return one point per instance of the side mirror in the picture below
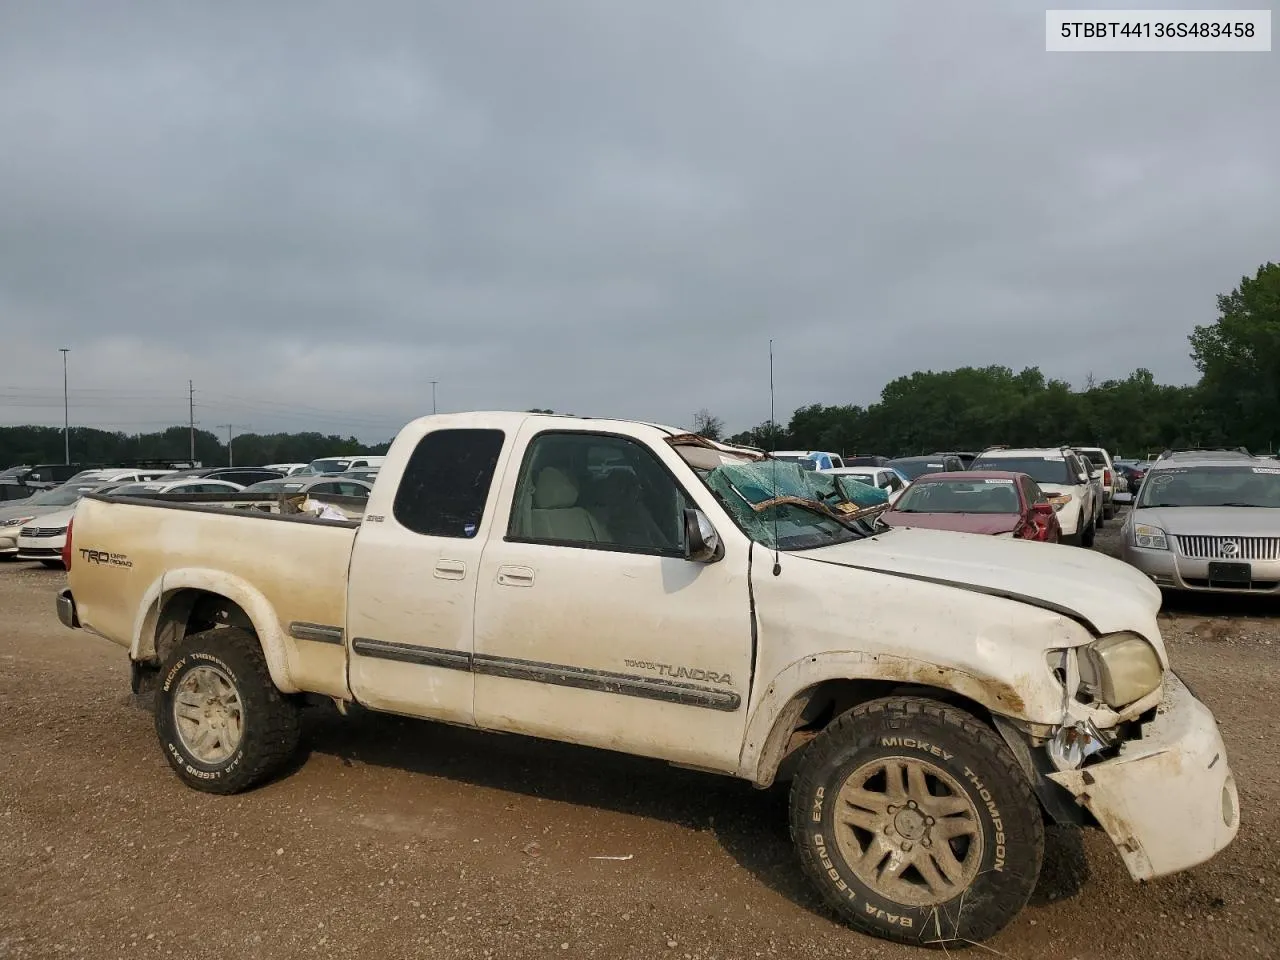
(701, 542)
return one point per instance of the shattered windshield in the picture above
(784, 506)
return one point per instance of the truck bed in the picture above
(286, 571)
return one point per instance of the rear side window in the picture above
(446, 482)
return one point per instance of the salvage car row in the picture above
(34, 528)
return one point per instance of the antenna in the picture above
(773, 424)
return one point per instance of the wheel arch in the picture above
(797, 706)
(186, 601)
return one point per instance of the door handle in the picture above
(515, 576)
(450, 570)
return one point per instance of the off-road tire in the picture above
(270, 720)
(1087, 536)
(1008, 817)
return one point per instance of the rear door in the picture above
(414, 570)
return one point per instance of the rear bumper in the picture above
(1168, 800)
(67, 612)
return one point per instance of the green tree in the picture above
(1238, 356)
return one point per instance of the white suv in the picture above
(1062, 476)
(1101, 459)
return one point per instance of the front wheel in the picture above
(1087, 536)
(916, 824)
(222, 723)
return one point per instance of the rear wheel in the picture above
(222, 723)
(916, 824)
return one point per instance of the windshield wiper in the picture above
(1261, 506)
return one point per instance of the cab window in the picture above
(600, 492)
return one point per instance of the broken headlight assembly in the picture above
(1117, 670)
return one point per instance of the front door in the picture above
(414, 570)
(592, 627)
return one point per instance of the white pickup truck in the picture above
(934, 698)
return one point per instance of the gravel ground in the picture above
(394, 838)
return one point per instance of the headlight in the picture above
(1152, 538)
(1120, 669)
(17, 522)
(1060, 501)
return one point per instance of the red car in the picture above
(993, 502)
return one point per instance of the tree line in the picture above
(32, 445)
(1236, 402)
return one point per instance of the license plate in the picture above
(1230, 574)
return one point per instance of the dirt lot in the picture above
(394, 838)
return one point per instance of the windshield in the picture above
(916, 468)
(1050, 468)
(819, 508)
(1212, 487)
(329, 466)
(960, 496)
(273, 486)
(135, 489)
(59, 496)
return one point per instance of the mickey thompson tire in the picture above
(916, 824)
(222, 724)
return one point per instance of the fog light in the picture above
(1229, 810)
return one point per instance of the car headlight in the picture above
(1120, 668)
(1059, 501)
(1152, 538)
(16, 522)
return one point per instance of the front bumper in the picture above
(67, 612)
(1171, 570)
(1168, 800)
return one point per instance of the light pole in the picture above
(433, 395)
(66, 407)
(230, 427)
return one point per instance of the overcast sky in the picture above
(314, 209)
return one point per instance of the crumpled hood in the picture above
(1106, 594)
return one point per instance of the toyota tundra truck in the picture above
(933, 698)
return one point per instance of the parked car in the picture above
(966, 457)
(1094, 473)
(912, 467)
(338, 485)
(903, 717)
(866, 461)
(327, 465)
(1063, 478)
(1101, 459)
(1207, 524)
(885, 478)
(286, 469)
(991, 502)
(14, 516)
(43, 540)
(244, 476)
(1132, 475)
(810, 459)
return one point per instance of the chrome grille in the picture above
(42, 531)
(1230, 548)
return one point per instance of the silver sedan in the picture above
(1208, 524)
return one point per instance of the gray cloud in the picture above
(314, 209)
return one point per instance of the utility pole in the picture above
(433, 395)
(191, 409)
(229, 427)
(66, 407)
